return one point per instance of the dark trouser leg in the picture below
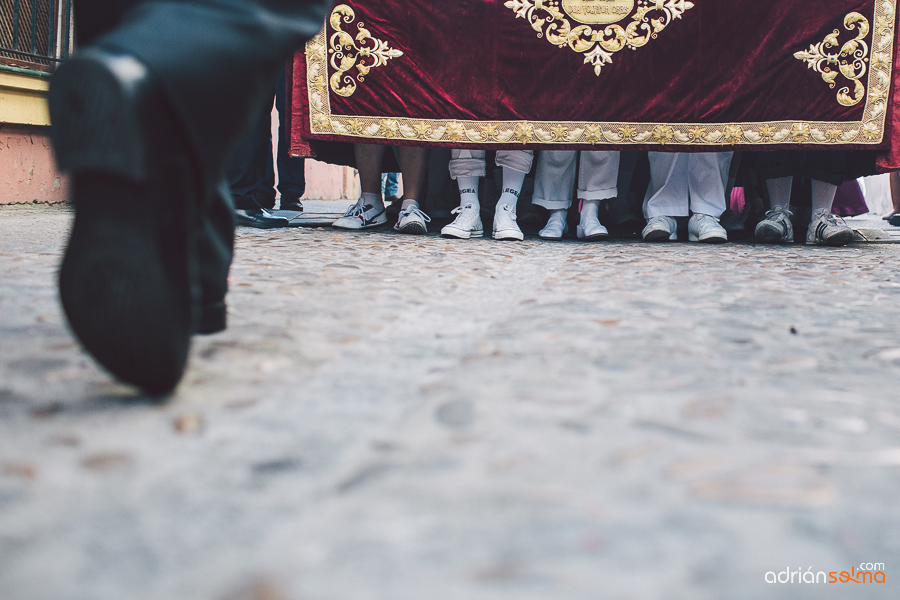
(218, 61)
(247, 171)
(291, 169)
(144, 119)
(215, 250)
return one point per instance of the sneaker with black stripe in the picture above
(776, 228)
(361, 216)
(826, 229)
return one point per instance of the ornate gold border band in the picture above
(868, 131)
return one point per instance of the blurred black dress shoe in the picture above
(213, 318)
(259, 218)
(128, 276)
(291, 204)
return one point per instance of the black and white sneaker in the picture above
(413, 221)
(361, 216)
(776, 228)
(826, 229)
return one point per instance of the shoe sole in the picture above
(550, 238)
(126, 303)
(769, 234)
(461, 235)
(414, 228)
(257, 225)
(367, 226)
(710, 239)
(658, 236)
(595, 237)
(508, 237)
(839, 239)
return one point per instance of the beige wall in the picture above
(330, 182)
(27, 169)
(28, 172)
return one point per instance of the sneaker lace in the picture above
(415, 211)
(464, 214)
(460, 209)
(780, 210)
(507, 210)
(355, 210)
(833, 220)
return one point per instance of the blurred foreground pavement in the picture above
(413, 418)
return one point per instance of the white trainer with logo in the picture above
(412, 220)
(660, 229)
(706, 229)
(467, 223)
(505, 227)
(361, 216)
(826, 229)
(776, 228)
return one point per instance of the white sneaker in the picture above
(361, 216)
(826, 229)
(776, 228)
(706, 229)
(505, 227)
(555, 228)
(467, 224)
(412, 220)
(660, 229)
(591, 230)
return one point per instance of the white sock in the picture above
(822, 195)
(409, 203)
(373, 200)
(468, 191)
(512, 186)
(780, 191)
(589, 208)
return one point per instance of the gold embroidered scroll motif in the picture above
(599, 45)
(363, 52)
(324, 74)
(831, 59)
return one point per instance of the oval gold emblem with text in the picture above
(594, 12)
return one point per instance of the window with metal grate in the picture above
(34, 34)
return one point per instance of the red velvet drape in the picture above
(720, 62)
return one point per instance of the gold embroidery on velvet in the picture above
(830, 59)
(598, 45)
(365, 52)
(868, 130)
(595, 12)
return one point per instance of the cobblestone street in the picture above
(394, 417)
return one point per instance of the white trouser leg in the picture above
(707, 176)
(517, 160)
(555, 179)
(599, 175)
(668, 194)
(467, 163)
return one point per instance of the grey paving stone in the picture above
(394, 417)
